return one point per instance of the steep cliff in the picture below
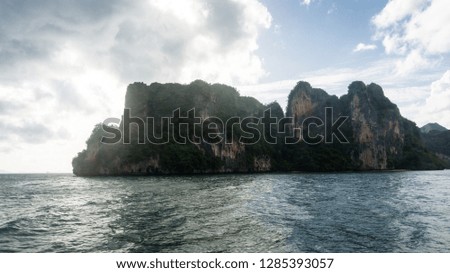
(179, 121)
(377, 137)
(203, 128)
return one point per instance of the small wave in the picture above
(13, 225)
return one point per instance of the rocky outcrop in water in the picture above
(193, 103)
(203, 128)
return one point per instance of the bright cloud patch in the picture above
(306, 2)
(438, 103)
(416, 29)
(364, 47)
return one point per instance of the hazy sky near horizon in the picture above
(65, 65)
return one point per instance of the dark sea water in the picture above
(345, 212)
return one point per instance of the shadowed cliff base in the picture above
(209, 128)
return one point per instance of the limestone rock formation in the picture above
(204, 128)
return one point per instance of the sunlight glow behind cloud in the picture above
(65, 65)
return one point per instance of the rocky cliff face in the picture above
(379, 138)
(361, 130)
(372, 125)
(195, 103)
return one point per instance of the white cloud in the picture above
(412, 62)
(364, 47)
(437, 105)
(428, 103)
(429, 28)
(64, 66)
(397, 10)
(214, 41)
(306, 2)
(414, 29)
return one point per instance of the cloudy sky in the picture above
(65, 65)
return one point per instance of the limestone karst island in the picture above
(210, 128)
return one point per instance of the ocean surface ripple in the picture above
(301, 212)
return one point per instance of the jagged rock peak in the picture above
(276, 109)
(305, 87)
(302, 85)
(357, 87)
(303, 98)
(375, 88)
